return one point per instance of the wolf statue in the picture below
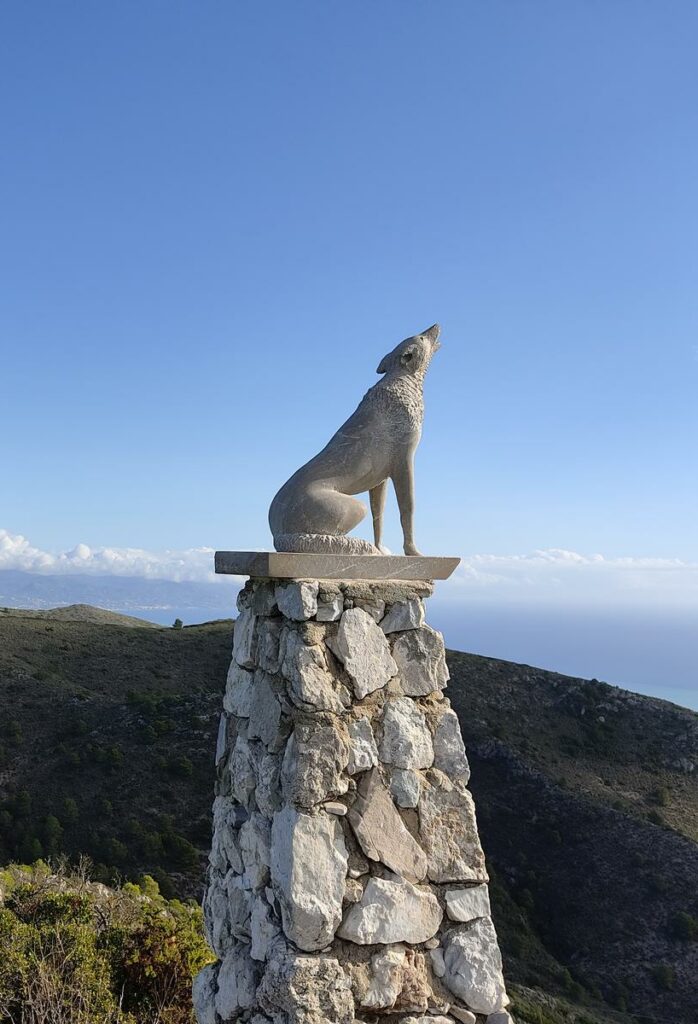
(315, 509)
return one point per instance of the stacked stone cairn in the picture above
(347, 882)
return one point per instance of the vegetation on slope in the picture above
(587, 799)
(75, 952)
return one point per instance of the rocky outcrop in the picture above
(346, 877)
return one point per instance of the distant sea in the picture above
(653, 652)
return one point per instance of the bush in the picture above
(181, 766)
(664, 976)
(70, 811)
(13, 731)
(684, 926)
(71, 951)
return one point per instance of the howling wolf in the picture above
(315, 509)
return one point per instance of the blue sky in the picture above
(217, 217)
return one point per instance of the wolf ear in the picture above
(383, 365)
(407, 357)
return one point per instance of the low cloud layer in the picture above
(192, 564)
(558, 576)
(553, 576)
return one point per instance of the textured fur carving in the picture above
(315, 509)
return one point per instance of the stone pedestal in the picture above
(347, 881)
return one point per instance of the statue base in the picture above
(303, 566)
(346, 878)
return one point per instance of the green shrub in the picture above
(30, 850)
(70, 811)
(664, 976)
(181, 766)
(13, 731)
(181, 852)
(684, 926)
(53, 834)
(69, 951)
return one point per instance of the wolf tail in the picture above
(324, 543)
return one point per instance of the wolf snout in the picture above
(433, 335)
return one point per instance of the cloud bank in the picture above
(553, 576)
(190, 565)
(557, 576)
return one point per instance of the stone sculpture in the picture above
(316, 508)
(346, 883)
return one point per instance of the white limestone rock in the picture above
(330, 608)
(267, 770)
(335, 807)
(396, 980)
(404, 615)
(255, 849)
(263, 929)
(363, 752)
(449, 750)
(313, 767)
(421, 660)
(382, 833)
(225, 853)
(428, 1019)
(308, 871)
(392, 910)
(265, 714)
(437, 961)
(376, 608)
(500, 1017)
(474, 966)
(203, 993)
(363, 650)
(297, 600)
(312, 687)
(259, 596)
(238, 690)
(406, 741)
(217, 920)
(386, 979)
(242, 772)
(244, 638)
(448, 832)
(237, 983)
(468, 904)
(461, 1014)
(268, 645)
(306, 990)
(221, 739)
(240, 902)
(405, 786)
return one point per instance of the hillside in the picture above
(77, 613)
(587, 798)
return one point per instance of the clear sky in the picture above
(217, 217)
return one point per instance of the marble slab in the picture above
(302, 566)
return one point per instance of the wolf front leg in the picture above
(403, 482)
(377, 499)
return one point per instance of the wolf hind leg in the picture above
(319, 522)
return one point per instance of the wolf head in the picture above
(413, 355)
